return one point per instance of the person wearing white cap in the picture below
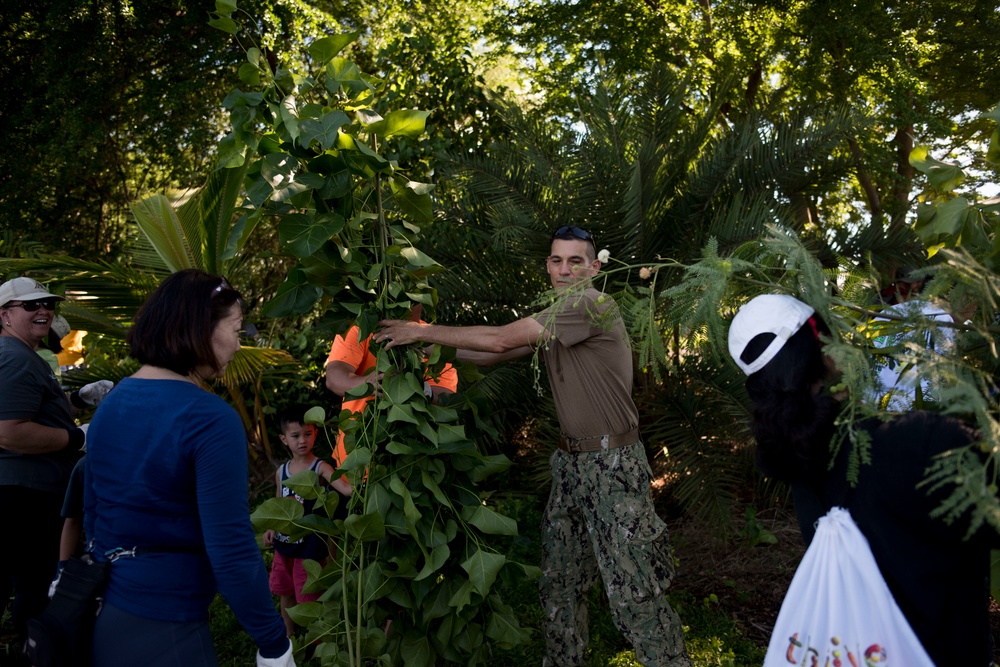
(39, 444)
(936, 572)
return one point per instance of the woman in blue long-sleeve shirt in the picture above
(166, 490)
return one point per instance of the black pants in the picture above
(122, 639)
(30, 554)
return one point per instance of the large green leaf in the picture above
(410, 510)
(402, 413)
(304, 484)
(277, 514)
(303, 235)
(435, 561)
(504, 629)
(417, 651)
(325, 48)
(942, 176)
(489, 465)
(417, 259)
(357, 459)
(951, 221)
(400, 387)
(325, 130)
(305, 613)
(365, 527)
(404, 122)
(483, 567)
(413, 199)
(489, 521)
(295, 296)
(431, 485)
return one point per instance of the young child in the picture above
(288, 576)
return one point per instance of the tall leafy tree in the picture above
(313, 135)
(106, 104)
(112, 101)
(908, 72)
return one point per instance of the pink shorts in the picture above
(288, 577)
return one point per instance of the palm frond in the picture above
(250, 362)
(159, 221)
(208, 216)
(699, 426)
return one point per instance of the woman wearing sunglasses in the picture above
(39, 444)
(166, 490)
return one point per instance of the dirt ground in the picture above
(749, 581)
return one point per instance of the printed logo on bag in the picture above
(800, 654)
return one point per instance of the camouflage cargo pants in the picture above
(600, 520)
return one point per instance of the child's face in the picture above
(299, 438)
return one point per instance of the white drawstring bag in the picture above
(838, 611)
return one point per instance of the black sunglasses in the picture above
(34, 304)
(570, 230)
(223, 286)
(567, 231)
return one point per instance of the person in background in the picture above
(599, 519)
(937, 573)
(166, 490)
(899, 385)
(351, 363)
(39, 444)
(51, 346)
(71, 542)
(288, 575)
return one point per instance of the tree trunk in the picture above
(901, 188)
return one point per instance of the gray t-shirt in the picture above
(589, 363)
(29, 390)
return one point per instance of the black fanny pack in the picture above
(61, 636)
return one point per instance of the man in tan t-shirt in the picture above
(599, 518)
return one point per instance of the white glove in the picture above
(284, 661)
(94, 393)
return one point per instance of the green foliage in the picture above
(713, 637)
(965, 382)
(415, 545)
(946, 219)
(654, 177)
(754, 532)
(111, 102)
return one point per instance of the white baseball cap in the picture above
(24, 289)
(777, 314)
(60, 326)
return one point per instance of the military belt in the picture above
(597, 443)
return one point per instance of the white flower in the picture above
(604, 256)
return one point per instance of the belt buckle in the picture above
(572, 444)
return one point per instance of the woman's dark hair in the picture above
(792, 423)
(173, 328)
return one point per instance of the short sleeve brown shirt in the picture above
(589, 364)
